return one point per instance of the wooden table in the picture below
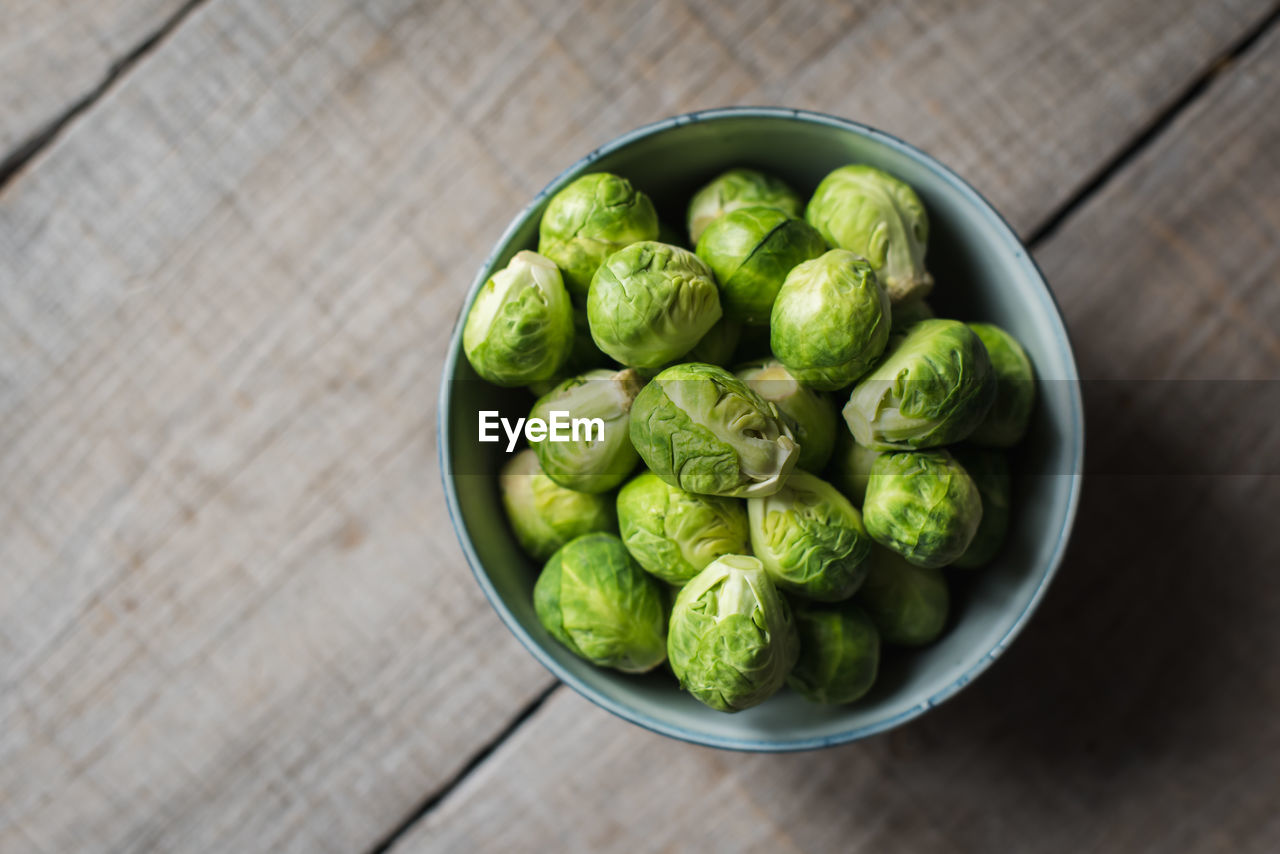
(234, 236)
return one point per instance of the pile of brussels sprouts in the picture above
(738, 552)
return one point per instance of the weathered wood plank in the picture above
(232, 614)
(1137, 713)
(55, 52)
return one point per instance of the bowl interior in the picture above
(982, 273)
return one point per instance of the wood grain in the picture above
(1137, 712)
(55, 52)
(233, 614)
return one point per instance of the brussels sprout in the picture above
(650, 303)
(830, 320)
(594, 599)
(674, 534)
(851, 467)
(589, 220)
(810, 538)
(700, 428)
(839, 653)
(751, 250)
(520, 327)
(1007, 419)
(738, 188)
(718, 345)
(909, 313)
(907, 603)
(932, 387)
(545, 515)
(811, 414)
(732, 641)
(923, 505)
(990, 472)
(872, 213)
(599, 455)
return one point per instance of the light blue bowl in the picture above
(983, 272)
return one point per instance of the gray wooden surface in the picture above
(233, 615)
(54, 53)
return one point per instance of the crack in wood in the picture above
(476, 760)
(27, 150)
(1213, 70)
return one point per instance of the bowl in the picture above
(983, 272)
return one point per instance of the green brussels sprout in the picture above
(990, 472)
(908, 314)
(732, 641)
(811, 414)
(589, 220)
(598, 455)
(543, 514)
(520, 327)
(751, 250)
(650, 303)
(830, 320)
(870, 212)
(932, 387)
(700, 428)
(674, 534)
(593, 598)
(1010, 412)
(810, 538)
(718, 345)
(839, 653)
(923, 505)
(851, 467)
(907, 603)
(738, 188)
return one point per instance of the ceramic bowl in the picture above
(983, 272)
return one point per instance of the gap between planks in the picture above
(1216, 67)
(28, 149)
(475, 761)
(1110, 168)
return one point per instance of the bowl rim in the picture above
(764, 745)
